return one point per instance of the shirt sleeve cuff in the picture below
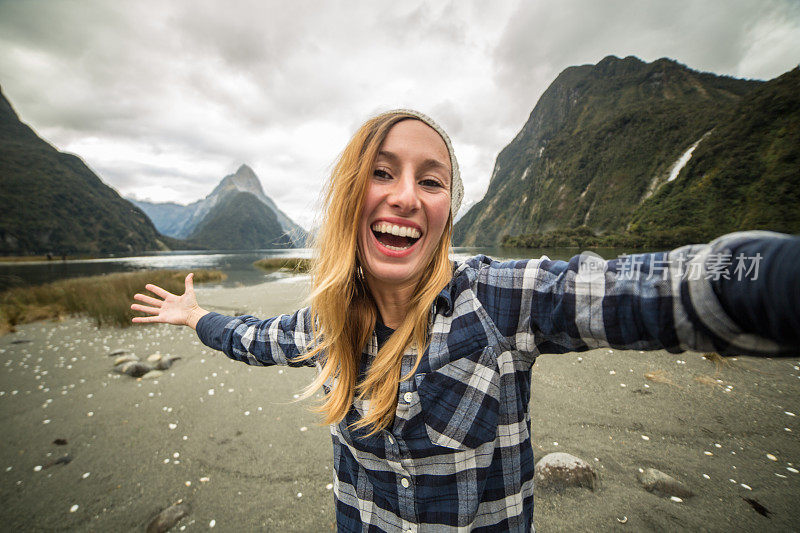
(701, 300)
(211, 328)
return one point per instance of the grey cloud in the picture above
(282, 85)
(540, 41)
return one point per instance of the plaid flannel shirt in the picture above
(458, 456)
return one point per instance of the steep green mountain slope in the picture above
(598, 142)
(241, 221)
(52, 202)
(744, 175)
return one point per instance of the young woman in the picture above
(425, 363)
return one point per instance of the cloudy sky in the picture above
(163, 99)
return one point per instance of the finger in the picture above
(190, 282)
(139, 319)
(158, 290)
(146, 309)
(148, 300)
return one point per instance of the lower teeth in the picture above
(396, 248)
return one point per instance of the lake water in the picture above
(238, 265)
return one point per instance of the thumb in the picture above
(190, 282)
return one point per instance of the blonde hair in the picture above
(343, 310)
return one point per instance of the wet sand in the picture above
(248, 457)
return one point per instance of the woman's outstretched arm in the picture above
(274, 341)
(735, 295)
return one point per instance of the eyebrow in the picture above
(426, 164)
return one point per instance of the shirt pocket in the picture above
(460, 401)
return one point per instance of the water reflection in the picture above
(238, 265)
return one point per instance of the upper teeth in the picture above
(394, 229)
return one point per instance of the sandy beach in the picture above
(231, 441)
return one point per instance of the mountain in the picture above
(183, 221)
(744, 175)
(51, 201)
(240, 220)
(600, 141)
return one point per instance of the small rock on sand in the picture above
(662, 484)
(168, 517)
(153, 374)
(161, 362)
(166, 362)
(125, 359)
(133, 368)
(559, 470)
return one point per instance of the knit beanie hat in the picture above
(456, 185)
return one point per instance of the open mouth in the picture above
(394, 237)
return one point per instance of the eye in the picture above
(381, 173)
(431, 182)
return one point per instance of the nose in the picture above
(404, 194)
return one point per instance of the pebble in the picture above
(792, 470)
(329, 486)
(212, 523)
(167, 518)
(662, 484)
(771, 457)
(172, 426)
(645, 437)
(85, 475)
(73, 508)
(299, 494)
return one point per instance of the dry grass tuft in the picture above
(284, 263)
(719, 361)
(660, 376)
(105, 298)
(708, 380)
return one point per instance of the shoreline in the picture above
(254, 458)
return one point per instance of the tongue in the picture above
(394, 240)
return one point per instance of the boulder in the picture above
(556, 471)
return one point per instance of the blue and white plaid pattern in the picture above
(458, 456)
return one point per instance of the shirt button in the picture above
(408, 397)
(405, 482)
